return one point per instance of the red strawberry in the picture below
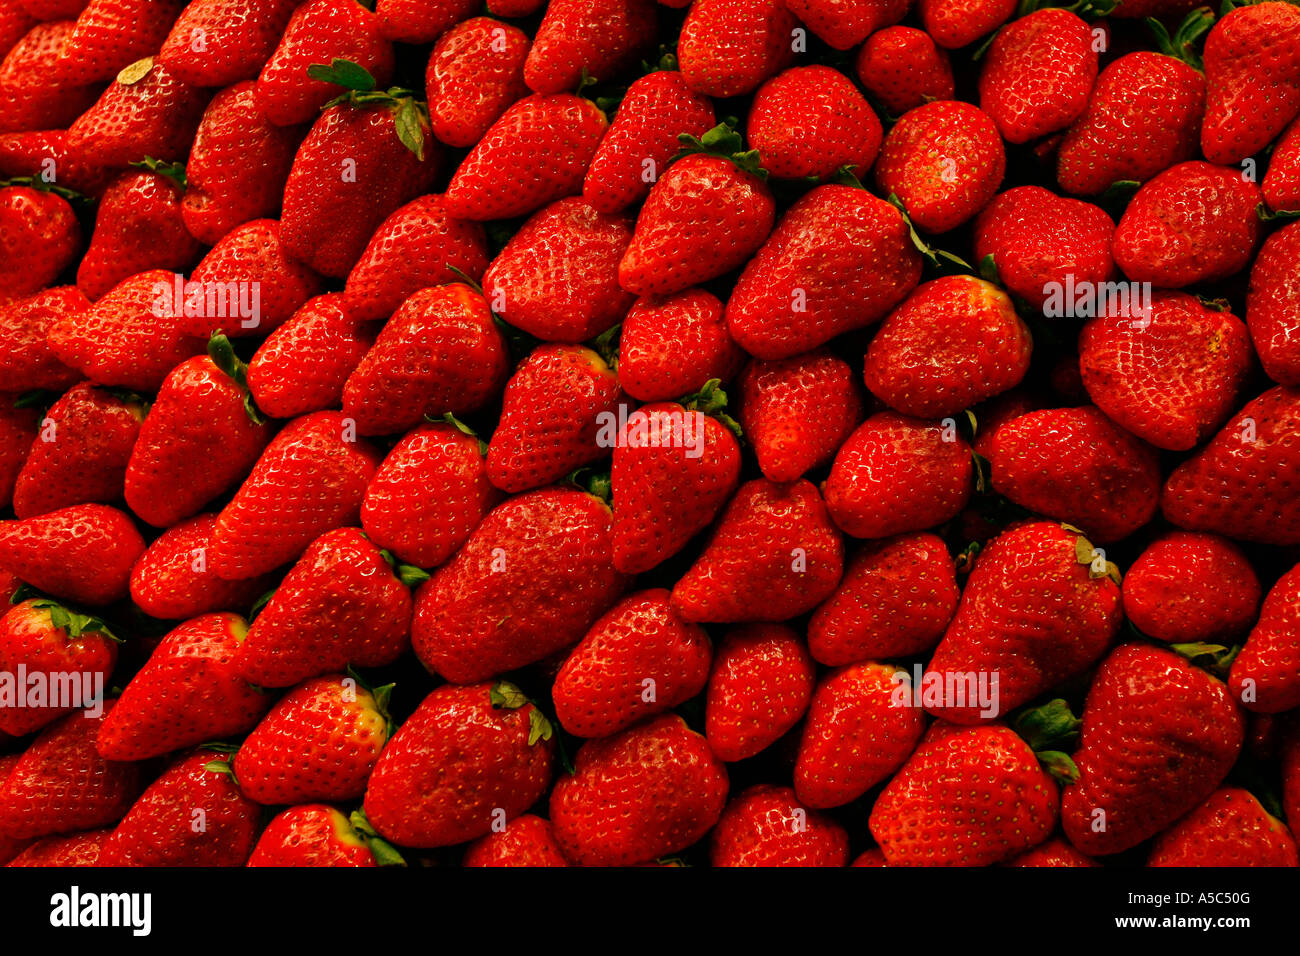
(172, 579)
(1273, 303)
(958, 24)
(1229, 829)
(902, 68)
(580, 38)
(729, 47)
(109, 35)
(221, 42)
(772, 556)
(1193, 223)
(320, 742)
(320, 32)
(767, 826)
(192, 815)
(310, 479)
(304, 364)
(1055, 852)
(26, 360)
(81, 453)
(238, 165)
(646, 792)
(551, 414)
(476, 70)
(32, 95)
(341, 605)
(1264, 675)
(760, 686)
(18, 429)
(464, 763)
(429, 495)
(968, 796)
(638, 660)
(809, 122)
(74, 849)
(896, 474)
(420, 21)
(14, 22)
(1228, 487)
(530, 581)
(1075, 465)
(39, 237)
(558, 276)
(895, 601)
(1188, 587)
(1281, 184)
(319, 835)
(188, 691)
(527, 840)
(846, 23)
(642, 140)
(82, 554)
(1000, 633)
(671, 347)
(1159, 735)
(536, 152)
(524, 8)
(706, 215)
(441, 352)
(1170, 376)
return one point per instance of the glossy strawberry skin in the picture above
(902, 68)
(75, 849)
(955, 25)
(1056, 852)
(27, 362)
(476, 70)
(172, 579)
(223, 42)
(767, 826)
(32, 97)
(311, 835)
(527, 840)
(18, 429)
(111, 34)
(671, 347)
(1229, 829)
(729, 47)
(1281, 184)
(1188, 587)
(1264, 673)
(597, 38)
(416, 21)
(759, 688)
(1272, 304)
(83, 553)
(39, 236)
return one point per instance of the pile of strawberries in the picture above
(620, 432)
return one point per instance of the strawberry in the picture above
(968, 796)
(642, 140)
(901, 68)
(944, 161)
(18, 429)
(61, 784)
(551, 415)
(14, 22)
(531, 580)
(1055, 852)
(162, 827)
(810, 121)
(309, 480)
(49, 642)
(649, 791)
(772, 556)
(895, 601)
(1038, 74)
(525, 8)
(304, 364)
(476, 70)
(223, 42)
(1000, 634)
(896, 474)
(527, 840)
(238, 165)
(201, 437)
(797, 411)
(771, 659)
(31, 96)
(420, 21)
(1281, 184)
(1227, 487)
(672, 346)
(1290, 759)
(536, 152)
(82, 451)
(729, 47)
(1188, 587)
(320, 32)
(1273, 303)
(341, 605)
(319, 835)
(188, 691)
(953, 342)
(1075, 465)
(464, 763)
(320, 742)
(1159, 735)
(45, 155)
(110, 35)
(1170, 376)
(429, 495)
(82, 554)
(558, 276)
(1264, 675)
(600, 39)
(441, 352)
(39, 237)
(846, 23)
(1252, 79)
(674, 469)
(838, 260)
(871, 857)
(856, 734)
(1229, 829)
(767, 826)
(145, 112)
(74, 849)
(638, 659)
(172, 579)
(956, 25)
(1192, 223)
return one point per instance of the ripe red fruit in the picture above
(1229, 829)
(958, 24)
(1281, 184)
(1188, 587)
(74, 849)
(846, 23)
(1273, 303)
(527, 840)
(111, 34)
(760, 686)
(476, 70)
(580, 38)
(27, 361)
(420, 21)
(172, 579)
(671, 347)
(1055, 852)
(902, 68)
(767, 826)
(809, 122)
(1264, 675)
(318, 835)
(83, 553)
(39, 237)
(221, 42)
(729, 47)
